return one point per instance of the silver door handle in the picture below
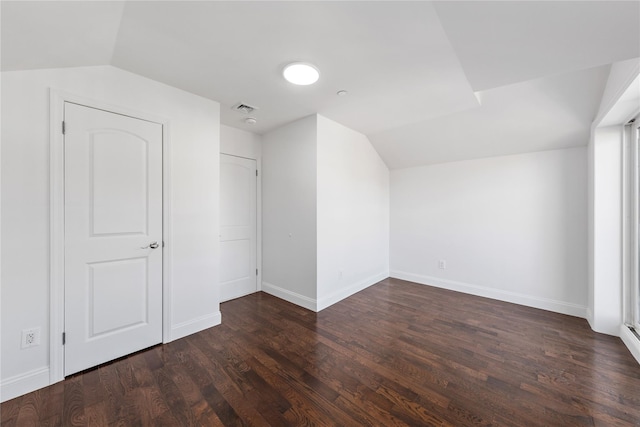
(152, 245)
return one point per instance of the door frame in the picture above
(57, 99)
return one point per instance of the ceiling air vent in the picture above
(244, 108)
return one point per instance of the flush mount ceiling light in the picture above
(301, 73)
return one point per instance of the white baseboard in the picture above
(38, 378)
(631, 341)
(498, 294)
(292, 297)
(24, 383)
(350, 290)
(198, 324)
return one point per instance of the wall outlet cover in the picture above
(30, 337)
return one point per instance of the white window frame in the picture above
(631, 224)
(635, 265)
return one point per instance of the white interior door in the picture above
(238, 275)
(113, 216)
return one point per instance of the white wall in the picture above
(240, 143)
(353, 213)
(512, 228)
(325, 213)
(605, 299)
(193, 247)
(289, 212)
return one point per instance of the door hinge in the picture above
(256, 172)
(64, 338)
(256, 271)
(64, 128)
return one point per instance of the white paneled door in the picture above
(238, 274)
(113, 236)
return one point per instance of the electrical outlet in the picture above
(30, 337)
(442, 264)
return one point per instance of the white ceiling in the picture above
(499, 43)
(52, 34)
(411, 68)
(536, 115)
(232, 52)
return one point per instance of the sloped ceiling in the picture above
(428, 82)
(500, 43)
(541, 114)
(58, 34)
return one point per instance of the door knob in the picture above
(152, 245)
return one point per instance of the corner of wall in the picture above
(349, 290)
(289, 200)
(589, 316)
(609, 326)
(198, 324)
(290, 296)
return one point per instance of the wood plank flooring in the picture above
(395, 354)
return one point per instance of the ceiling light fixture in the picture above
(301, 73)
(342, 93)
(250, 121)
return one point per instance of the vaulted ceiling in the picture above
(428, 82)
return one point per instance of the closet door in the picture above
(238, 249)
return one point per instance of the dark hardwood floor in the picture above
(396, 353)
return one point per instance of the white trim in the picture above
(631, 341)
(21, 384)
(626, 222)
(498, 294)
(635, 240)
(346, 292)
(630, 221)
(57, 98)
(259, 224)
(629, 224)
(56, 237)
(167, 232)
(292, 297)
(192, 326)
